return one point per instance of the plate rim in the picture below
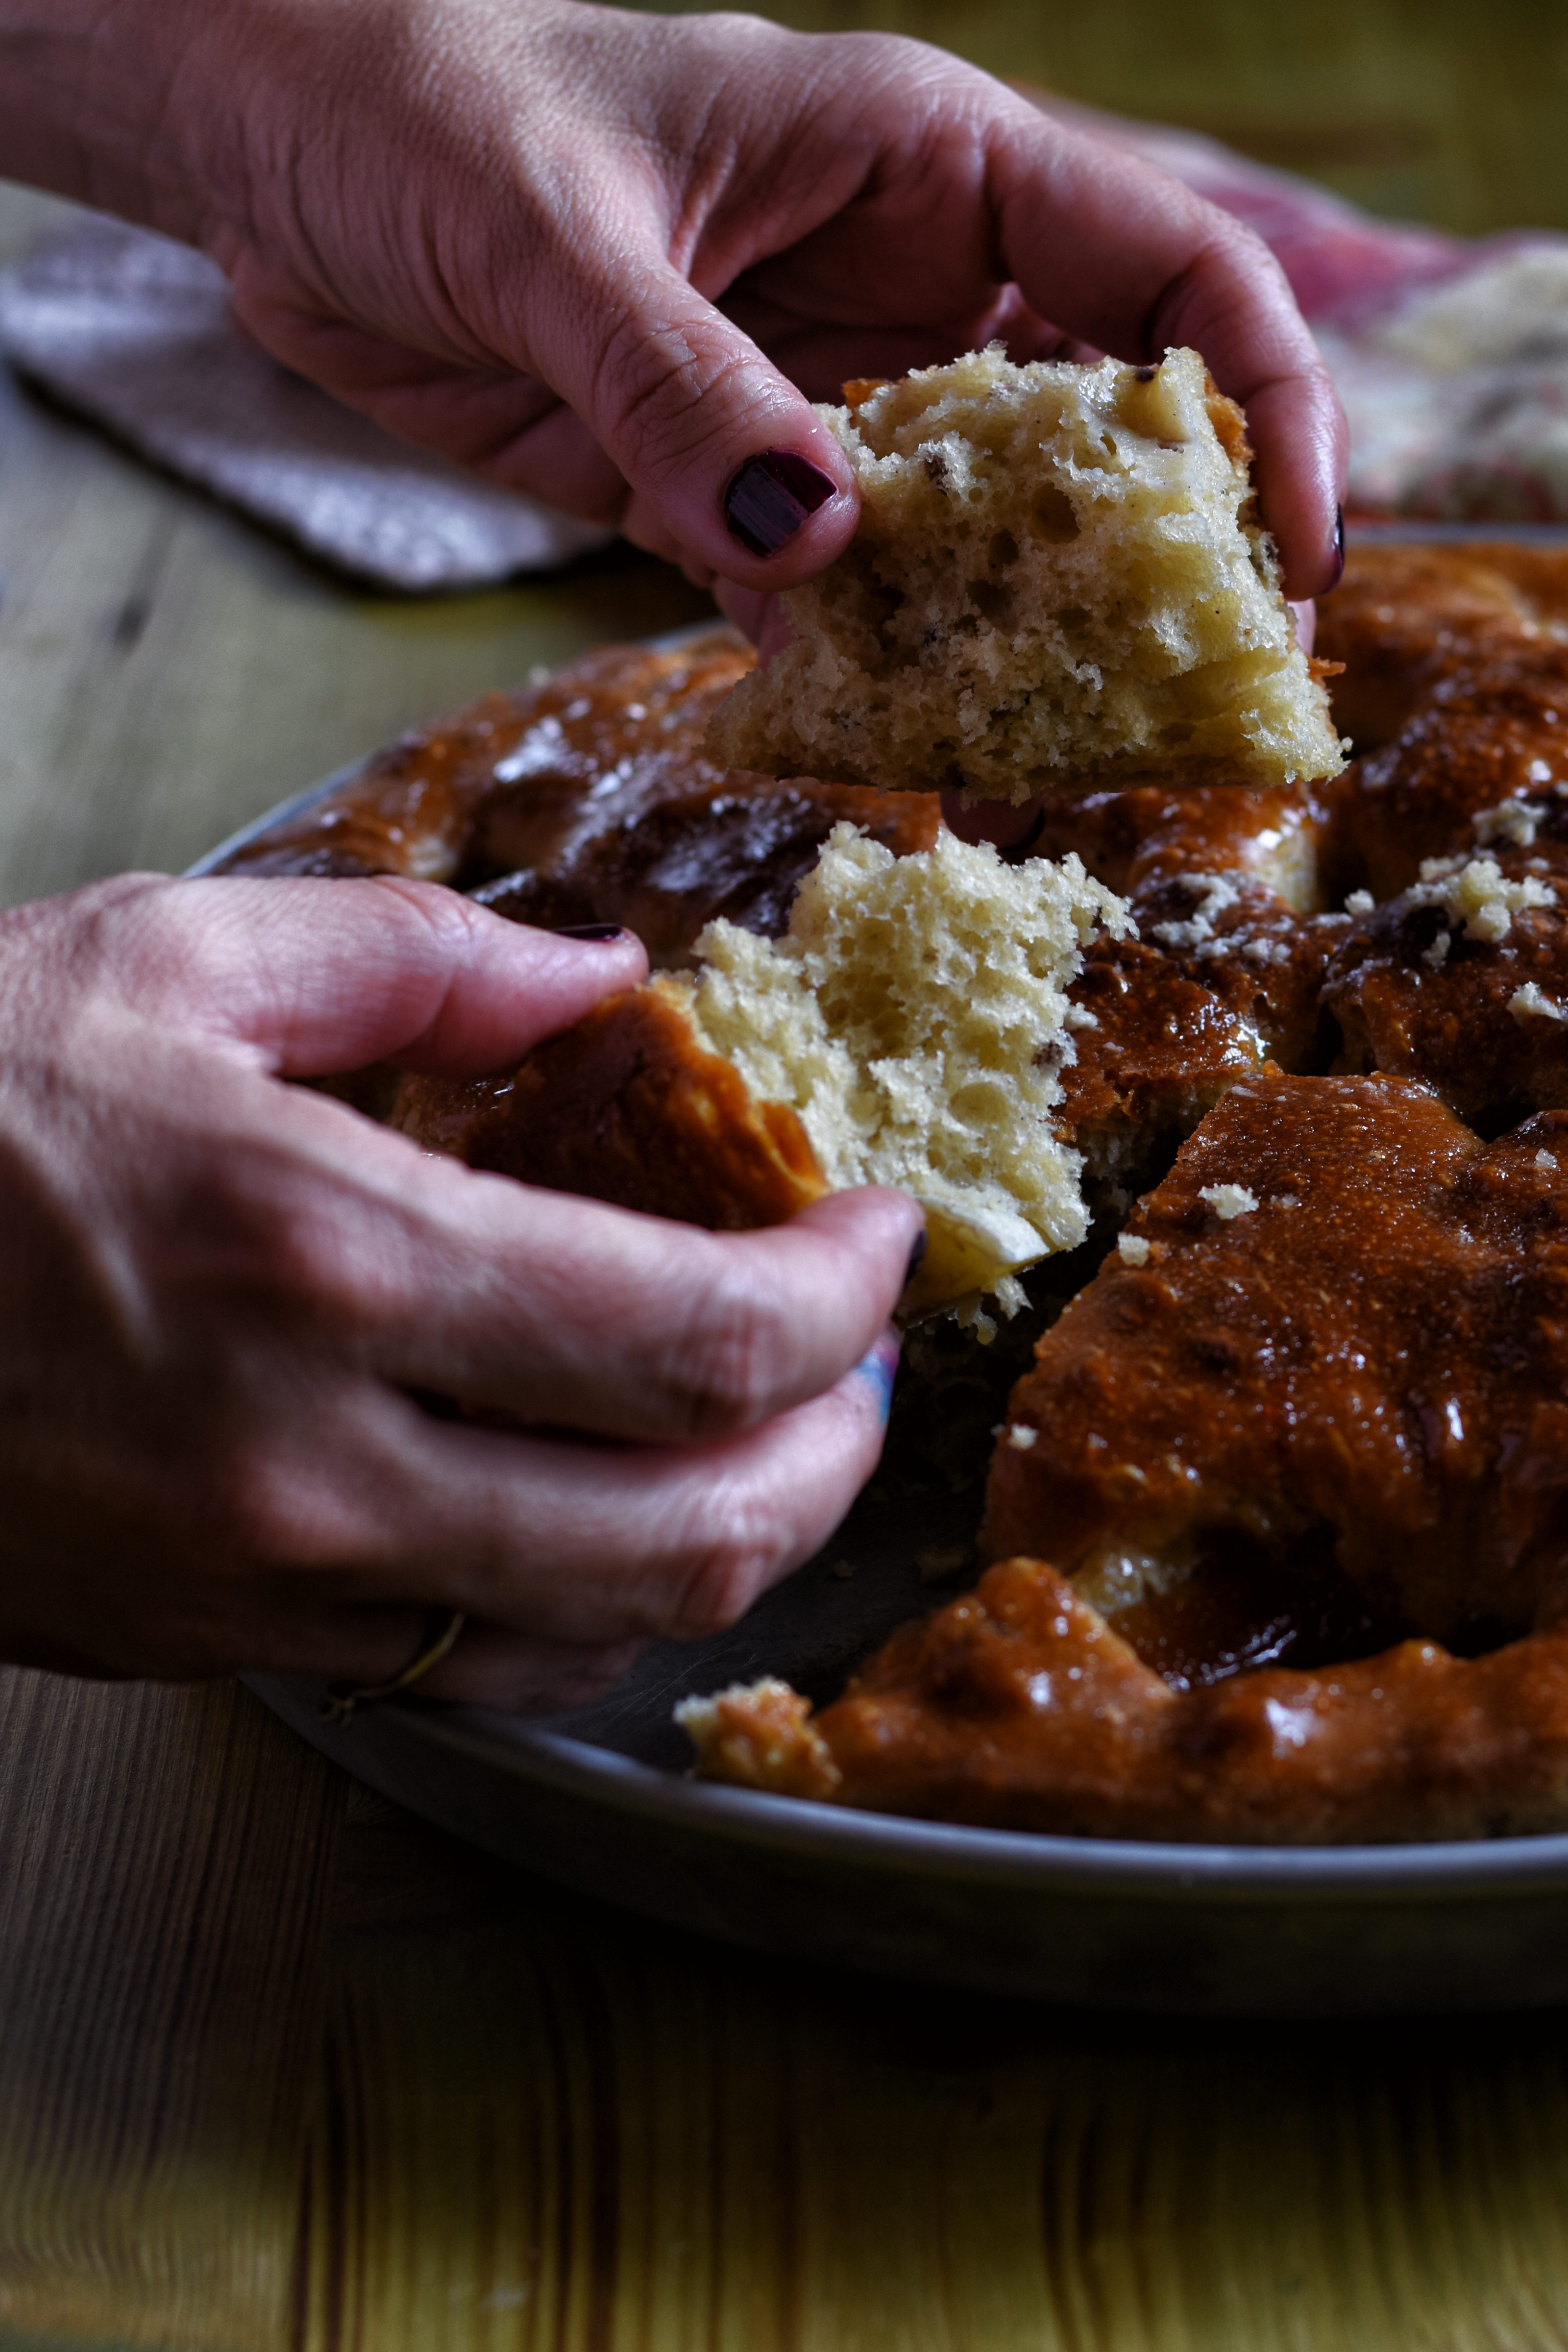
(1351, 1874)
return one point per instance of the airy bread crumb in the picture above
(915, 1016)
(1477, 896)
(759, 1735)
(1057, 574)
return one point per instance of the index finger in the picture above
(572, 1315)
(562, 1310)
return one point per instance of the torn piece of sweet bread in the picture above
(1057, 574)
(908, 1029)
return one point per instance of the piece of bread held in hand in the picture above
(1058, 575)
(908, 1029)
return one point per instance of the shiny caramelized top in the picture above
(1413, 988)
(1333, 1346)
(587, 799)
(1482, 762)
(518, 779)
(1403, 617)
(1018, 1707)
(1225, 972)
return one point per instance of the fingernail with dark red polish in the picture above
(771, 497)
(600, 932)
(1338, 545)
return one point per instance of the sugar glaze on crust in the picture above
(1314, 1590)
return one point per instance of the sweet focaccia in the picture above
(1276, 1515)
(1279, 1513)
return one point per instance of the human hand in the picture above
(222, 1297)
(610, 258)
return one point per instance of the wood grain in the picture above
(563, 2130)
(165, 1871)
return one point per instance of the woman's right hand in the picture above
(223, 1296)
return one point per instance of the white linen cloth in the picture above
(134, 330)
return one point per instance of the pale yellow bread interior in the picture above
(1057, 574)
(915, 1016)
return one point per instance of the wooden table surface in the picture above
(280, 2069)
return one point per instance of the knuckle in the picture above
(658, 385)
(273, 1230)
(159, 939)
(292, 1499)
(268, 1513)
(725, 1373)
(720, 1578)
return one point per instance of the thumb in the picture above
(727, 461)
(314, 977)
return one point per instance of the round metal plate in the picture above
(599, 1800)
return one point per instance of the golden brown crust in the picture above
(1351, 1382)
(408, 812)
(1403, 617)
(627, 1106)
(511, 783)
(1487, 734)
(1224, 975)
(1363, 1361)
(1483, 1023)
(738, 849)
(1017, 1708)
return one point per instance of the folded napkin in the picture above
(134, 330)
(1450, 355)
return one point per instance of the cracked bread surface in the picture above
(915, 1016)
(1057, 574)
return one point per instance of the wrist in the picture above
(144, 107)
(91, 106)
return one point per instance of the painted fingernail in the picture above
(771, 495)
(1338, 545)
(916, 1254)
(601, 932)
(878, 1367)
